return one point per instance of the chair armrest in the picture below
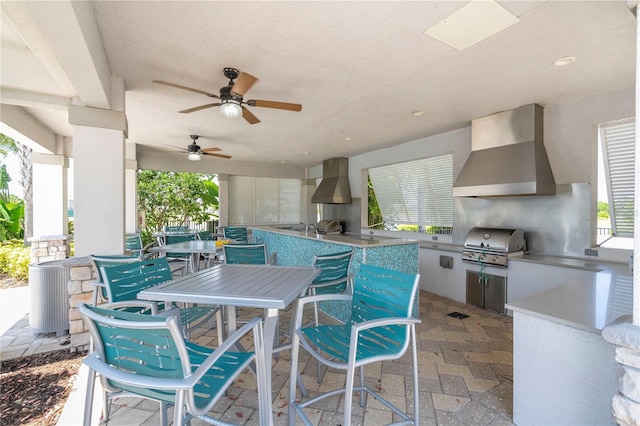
(144, 304)
(379, 322)
(301, 301)
(94, 362)
(333, 282)
(230, 343)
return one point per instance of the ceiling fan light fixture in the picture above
(231, 109)
(194, 156)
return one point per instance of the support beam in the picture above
(18, 124)
(25, 98)
(64, 36)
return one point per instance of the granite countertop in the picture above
(589, 304)
(351, 239)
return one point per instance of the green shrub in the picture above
(15, 259)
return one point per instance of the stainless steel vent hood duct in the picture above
(334, 188)
(507, 157)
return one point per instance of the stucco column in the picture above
(223, 200)
(99, 180)
(131, 189)
(50, 204)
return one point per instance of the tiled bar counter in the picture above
(297, 248)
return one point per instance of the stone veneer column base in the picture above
(50, 247)
(81, 276)
(625, 405)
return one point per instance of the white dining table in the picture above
(272, 288)
(196, 248)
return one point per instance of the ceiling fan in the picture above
(231, 97)
(195, 152)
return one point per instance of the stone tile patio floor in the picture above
(465, 374)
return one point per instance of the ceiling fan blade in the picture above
(243, 84)
(210, 149)
(202, 92)
(176, 147)
(198, 108)
(275, 104)
(226, 157)
(248, 115)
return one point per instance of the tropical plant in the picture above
(9, 146)
(375, 216)
(166, 197)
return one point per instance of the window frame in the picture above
(616, 143)
(426, 203)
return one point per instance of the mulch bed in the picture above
(34, 389)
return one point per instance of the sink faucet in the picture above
(309, 226)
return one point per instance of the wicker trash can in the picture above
(49, 297)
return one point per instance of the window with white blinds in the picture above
(618, 150)
(416, 192)
(262, 201)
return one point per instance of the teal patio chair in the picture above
(236, 234)
(147, 356)
(380, 328)
(207, 236)
(248, 254)
(110, 260)
(183, 258)
(133, 245)
(177, 228)
(123, 283)
(334, 278)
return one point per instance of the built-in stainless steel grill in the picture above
(493, 246)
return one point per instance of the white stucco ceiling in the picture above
(358, 68)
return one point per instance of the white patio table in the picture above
(196, 248)
(257, 286)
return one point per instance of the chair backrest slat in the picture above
(249, 254)
(334, 267)
(383, 293)
(125, 281)
(236, 234)
(111, 260)
(133, 243)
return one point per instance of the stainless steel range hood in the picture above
(334, 188)
(507, 157)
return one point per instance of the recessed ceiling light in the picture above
(565, 60)
(305, 153)
(348, 138)
(417, 113)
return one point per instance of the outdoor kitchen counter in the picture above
(564, 372)
(349, 239)
(586, 304)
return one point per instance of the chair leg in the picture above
(178, 409)
(220, 324)
(363, 392)
(416, 397)
(164, 421)
(295, 350)
(348, 395)
(88, 401)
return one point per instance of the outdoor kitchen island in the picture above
(564, 372)
(297, 248)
